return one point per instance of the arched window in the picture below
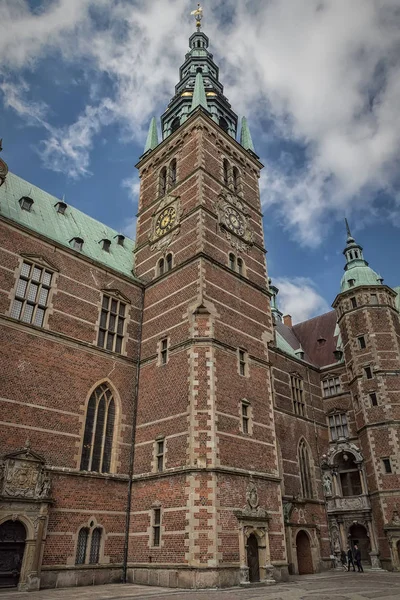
(95, 546)
(172, 173)
(82, 546)
(163, 181)
(175, 124)
(305, 471)
(232, 261)
(349, 474)
(235, 177)
(99, 431)
(240, 266)
(168, 261)
(161, 266)
(224, 124)
(226, 171)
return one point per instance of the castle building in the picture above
(161, 421)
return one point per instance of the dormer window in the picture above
(106, 244)
(26, 203)
(61, 207)
(120, 239)
(76, 243)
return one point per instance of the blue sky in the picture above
(319, 81)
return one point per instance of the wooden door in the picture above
(252, 558)
(12, 546)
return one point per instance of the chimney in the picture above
(287, 320)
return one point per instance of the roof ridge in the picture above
(312, 318)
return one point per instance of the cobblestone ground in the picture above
(333, 586)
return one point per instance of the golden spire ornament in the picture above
(198, 13)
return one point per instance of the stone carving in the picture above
(395, 517)
(338, 448)
(24, 476)
(252, 496)
(327, 483)
(335, 537)
(287, 511)
(351, 503)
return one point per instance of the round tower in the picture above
(370, 331)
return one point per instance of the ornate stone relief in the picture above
(252, 510)
(23, 475)
(234, 222)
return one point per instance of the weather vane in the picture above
(198, 13)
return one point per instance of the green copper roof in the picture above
(199, 94)
(283, 345)
(44, 219)
(152, 136)
(245, 136)
(357, 270)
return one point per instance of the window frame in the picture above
(246, 417)
(368, 372)
(90, 529)
(156, 523)
(373, 401)
(328, 386)
(297, 392)
(362, 342)
(387, 465)
(163, 351)
(24, 300)
(99, 432)
(172, 173)
(338, 430)
(243, 362)
(305, 470)
(353, 302)
(159, 455)
(163, 181)
(117, 334)
(26, 203)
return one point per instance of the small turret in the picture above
(276, 313)
(152, 136)
(245, 136)
(357, 270)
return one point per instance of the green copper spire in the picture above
(199, 94)
(245, 136)
(357, 271)
(152, 136)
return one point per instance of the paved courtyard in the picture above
(332, 586)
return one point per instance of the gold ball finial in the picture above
(198, 14)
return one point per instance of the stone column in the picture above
(244, 569)
(364, 488)
(374, 554)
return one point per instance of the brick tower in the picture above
(370, 332)
(206, 502)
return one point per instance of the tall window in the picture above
(168, 262)
(297, 394)
(81, 547)
(156, 526)
(331, 386)
(112, 324)
(235, 177)
(226, 171)
(161, 266)
(163, 351)
(338, 427)
(88, 545)
(349, 475)
(32, 294)
(243, 358)
(246, 415)
(99, 431)
(240, 266)
(305, 471)
(172, 173)
(232, 261)
(163, 181)
(160, 454)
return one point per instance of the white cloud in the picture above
(299, 298)
(326, 72)
(14, 97)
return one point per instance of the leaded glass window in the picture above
(305, 471)
(112, 324)
(32, 294)
(95, 546)
(99, 431)
(81, 546)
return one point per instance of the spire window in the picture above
(235, 177)
(175, 124)
(163, 181)
(172, 173)
(224, 124)
(226, 171)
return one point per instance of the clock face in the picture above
(234, 221)
(165, 220)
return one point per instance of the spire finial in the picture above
(152, 136)
(198, 13)
(245, 136)
(348, 228)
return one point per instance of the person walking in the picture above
(357, 557)
(350, 560)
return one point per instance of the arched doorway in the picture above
(304, 557)
(252, 558)
(359, 535)
(12, 546)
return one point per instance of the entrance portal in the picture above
(12, 546)
(359, 536)
(252, 558)
(304, 557)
